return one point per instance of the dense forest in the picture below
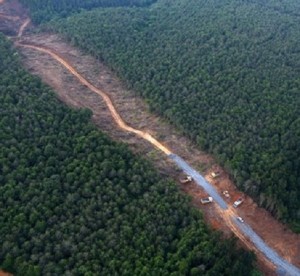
(226, 73)
(42, 11)
(73, 202)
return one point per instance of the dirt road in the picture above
(120, 122)
(23, 26)
(9, 17)
(226, 216)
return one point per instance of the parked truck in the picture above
(206, 200)
(215, 174)
(238, 202)
(186, 179)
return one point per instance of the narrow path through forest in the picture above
(242, 231)
(23, 27)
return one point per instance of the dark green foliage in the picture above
(224, 72)
(72, 202)
(42, 11)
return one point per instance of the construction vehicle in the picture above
(206, 200)
(186, 179)
(215, 174)
(238, 202)
(226, 194)
(240, 219)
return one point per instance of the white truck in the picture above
(215, 174)
(206, 200)
(240, 219)
(186, 179)
(238, 202)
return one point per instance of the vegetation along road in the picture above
(282, 265)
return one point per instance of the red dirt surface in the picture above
(134, 111)
(12, 15)
(276, 234)
(2, 273)
(39, 63)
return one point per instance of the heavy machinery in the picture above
(238, 202)
(186, 179)
(215, 174)
(206, 200)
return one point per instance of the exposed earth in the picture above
(2, 273)
(136, 113)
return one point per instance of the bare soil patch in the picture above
(2, 273)
(135, 112)
(12, 15)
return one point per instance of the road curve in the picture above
(283, 267)
(23, 26)
(104, 96)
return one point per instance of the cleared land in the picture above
(134, 110)
(94, 104)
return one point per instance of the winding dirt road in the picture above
(120, 122)
(228, 214)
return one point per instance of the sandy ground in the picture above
(136, 113)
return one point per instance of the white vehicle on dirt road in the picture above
(240, 219)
